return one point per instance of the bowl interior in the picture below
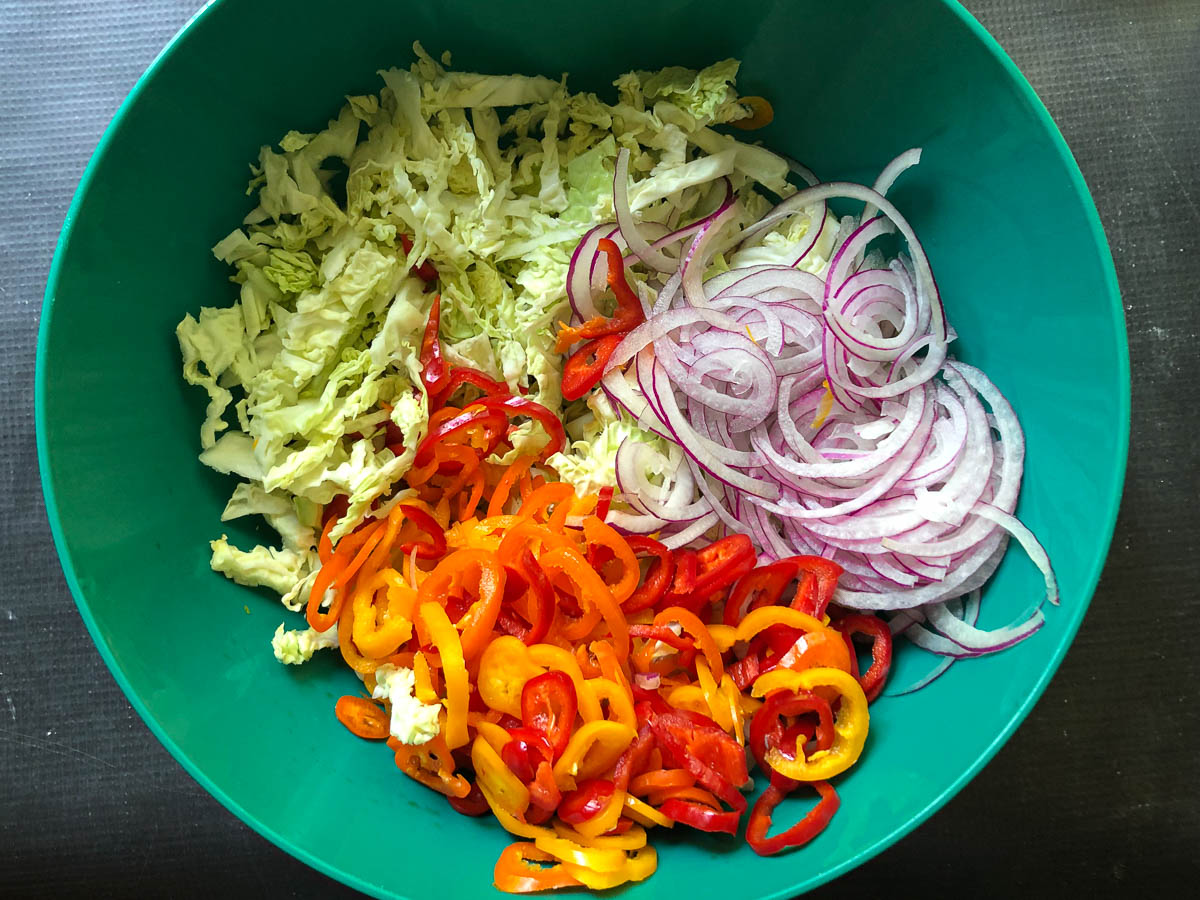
(1002, 210)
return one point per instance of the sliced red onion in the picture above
(817, 412)
(629, 229)
(696, 530)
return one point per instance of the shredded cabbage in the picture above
(494, 178)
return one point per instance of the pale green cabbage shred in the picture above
(495, 179)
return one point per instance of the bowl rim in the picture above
(1113, 491)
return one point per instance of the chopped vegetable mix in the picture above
(593, 464)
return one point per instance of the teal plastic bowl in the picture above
(1001, 208)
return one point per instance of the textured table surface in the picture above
(1098, 791)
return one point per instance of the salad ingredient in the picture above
(411, 721)
(321, 378)
(798, 835)
(297, 645)
(362, 718)
(818, 407)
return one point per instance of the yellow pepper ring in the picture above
(595, 858)
(444, 636)
(508, 821)
(645, 814)
(760, 619)
(606, 819)
(504, 667)
(620, 703)
(593, 748)
(850, 723)
(560, 660)
(640, 865)
(633, 839)
(501, 783)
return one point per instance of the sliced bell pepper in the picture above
(628, 314)
(696, 743)
(585, 367)
(592, 750)
(487, 426)
(760, 619)
(539, 596)
(525, 750)
(524, 869)
(431, 549)
(818, 582)
(433, 367)
(589, 798)
(620, 701)
(604, 502)
(629, 837)
(604, 537)
(762, 586)
(802, 832)
(701, 816)
(548, 705)
(454, 669)
(463, 375)
(639, 866)
(559, 660)
(519, 406)
(505, 667)
(658, 576)
(767, 729)
(497, 782)
(471, 805)
(850, 725)
(604, 821)
(692, 625)
(378, 639)
(873, 680)
(362, 717)
(591, 589)
(431, 764)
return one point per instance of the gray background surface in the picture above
(1099, 790)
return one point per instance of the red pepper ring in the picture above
(628, 314)
(658, 576)
(815, 591)
(697, 743)
(802, 832)
(633, 761)
(759, 587)
(767, 729)
(873, 680)
(519, 406)
(474, 804)
(541, 598)
(425, 271)
(527, 749)
(585, 367)
(589, 798)
(700, 816)
(604, 503)
(475, 416)
(549, 705)
(431, 549)
(462, 375)
(722, 562)
(433, 367)
(664, 635)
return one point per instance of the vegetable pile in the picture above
(593, 443)
(531, 669)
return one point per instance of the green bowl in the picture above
(1002, 210)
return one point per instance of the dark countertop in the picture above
(1099, 791)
